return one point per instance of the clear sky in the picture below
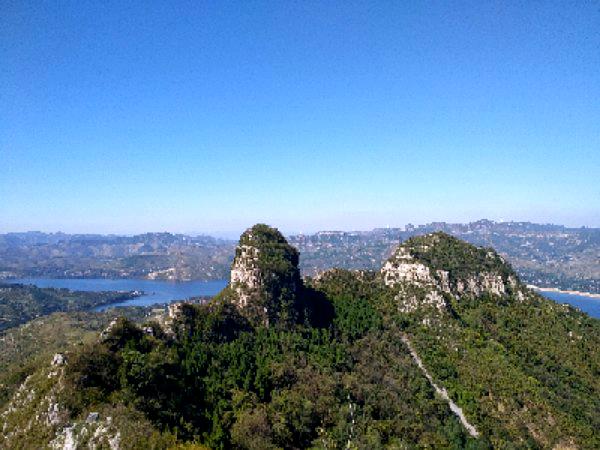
(209, 116)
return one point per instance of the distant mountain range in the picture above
(150, 255)
(543, 254)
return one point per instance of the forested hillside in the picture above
(23, 349)
(443, 347)
(20, 303)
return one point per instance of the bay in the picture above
(588, 305)
(155, 291)
(162, 291)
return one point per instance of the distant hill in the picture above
(20, 303)
(150, 255)
(442, 347)
(544, 255)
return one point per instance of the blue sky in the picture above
(125, 117)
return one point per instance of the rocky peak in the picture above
(441, 264)
(402, 266)
(265, 278)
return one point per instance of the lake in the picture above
(156, 291)
(160, 291)
(586, 304)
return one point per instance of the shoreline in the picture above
(560, 291)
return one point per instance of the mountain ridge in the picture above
(544, 255)
(445, 331)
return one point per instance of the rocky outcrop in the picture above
(36, 416)
(486, 282)
(246, 276)
(96, 433)
(438, 264)
(409, 302)
(265, 278)
(37, 399)
(402, 267)
(59, 359)
(106, 332)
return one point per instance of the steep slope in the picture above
(38, 417)
(524, 369)
(32, 401)
(25, 348)
(442, 264)
(265, 277)
(443, 348)
(20, 303)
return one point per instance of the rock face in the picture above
(59, 359)
(439, 264)
(246, 277)
(265, 279)
(403, 267)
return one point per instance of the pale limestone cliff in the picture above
(246, 277)
(265, 278)
(37, 400)
(413, 266)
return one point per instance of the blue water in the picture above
(154, 291)
(158, 291)
(589, 305)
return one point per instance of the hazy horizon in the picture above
(234, 234)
